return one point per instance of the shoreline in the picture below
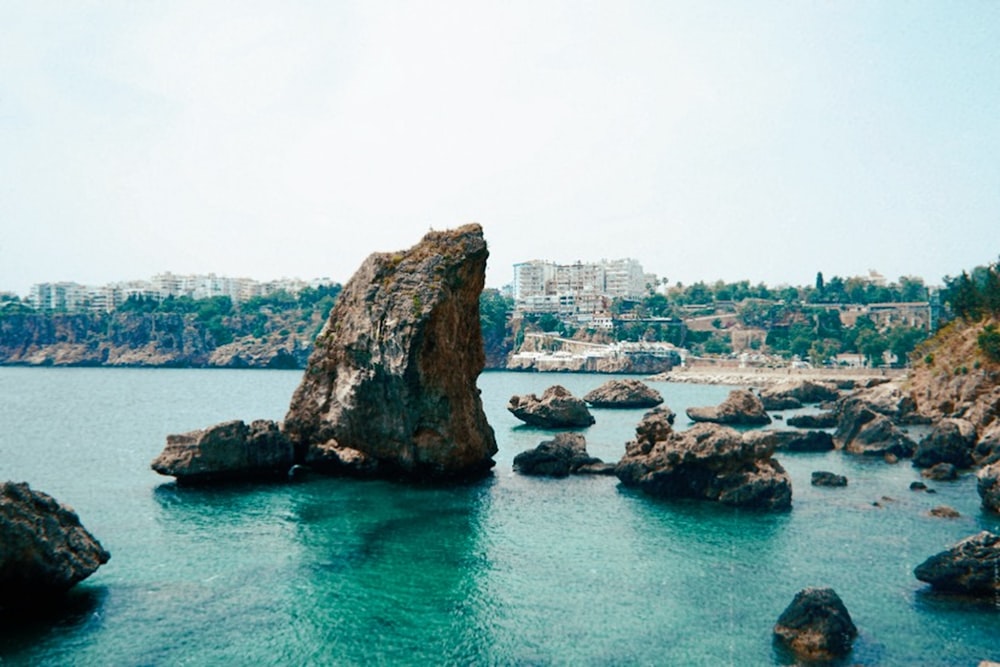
(753, 377)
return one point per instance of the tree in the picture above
(819, 282)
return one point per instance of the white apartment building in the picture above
(571, 289)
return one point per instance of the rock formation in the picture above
(825, 478)
(626, 393)
(226, 451)
(950, 441)
(816, 626)
(941, 472)
(864, 430)
(988, 486)
(708, 461)
(565, 454)
(969, 567)
(390, 388)
(818, 420)
(557, 408)
(741, 408)
(810, 441)
(44, 550)
(792, 395)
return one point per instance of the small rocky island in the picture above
(390, 388)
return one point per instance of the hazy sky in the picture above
(730, 140)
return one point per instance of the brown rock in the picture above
(44, 550)
(626, 393)
(227, 451)
(565, 454)
(988, 486)
(741, 407)
(557, 408)
(393, 374)
(816, 626)
(969, 567)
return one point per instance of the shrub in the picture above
(989, 342)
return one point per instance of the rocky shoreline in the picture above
(764, 377)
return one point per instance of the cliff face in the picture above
(953, 378)
(145, 339)
(391, 385)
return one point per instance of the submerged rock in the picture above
(810, 441)
(741, 408)
(390, 389)
(626, 393)
(818, 420)
(708, 461)
(825, 478)
(969, 567)
(44, 550)
(941, 472)
(565, 454)
(816, 626)
(228, 451)
(557, 408)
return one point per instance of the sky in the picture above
(760, 140)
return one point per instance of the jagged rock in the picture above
(391, 384)
(987, 450)
(810, 441)
(816, 626)
(825, 478)
(792, 395)
(969, 567)
(626, 393)
(950, 441)
(819, 420)
(708, 461)
(887, 399)
(557, 408)
(861, 430)
(944, 512)
(741, 407)
(565, 454)
(988, 486)
(228, 451)
(44, 550)
(941, 472)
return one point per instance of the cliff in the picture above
(281, 340)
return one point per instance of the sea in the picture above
(510, 570)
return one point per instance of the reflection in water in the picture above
(78, 611)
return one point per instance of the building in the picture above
(580, 288)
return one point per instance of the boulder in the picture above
(988, 486)
(887, 399)
(944, 512)
(824, 478)
(818, 420)
(968, 568)
(741, 408)
(557, 408)
(792, 395)
(816, 626)
(941, 472)
(44, 550)
(861, 430)
(810, 441)
(626, 393)
(987, 449)
(565, 454)
(228, 451)
(390, 388)
(708, 461)
(950, 441)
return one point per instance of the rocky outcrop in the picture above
(810, 441)
(826, 478)
(941, 472)
(862, 428)
(950, 441)
(741, 408)
(968, 568)
(390, 389)
(227, 451)
(708, 461)
(44, 550)
(792, 395)
(818, 420)
(626, 393)
(987, 449)
(816, 626)
(557, 408)
(988, 486)
(564, 455)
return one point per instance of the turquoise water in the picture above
(509, 571)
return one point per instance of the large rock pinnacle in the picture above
(390, 388)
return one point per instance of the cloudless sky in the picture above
(735, 140)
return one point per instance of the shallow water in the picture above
(511, 570)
